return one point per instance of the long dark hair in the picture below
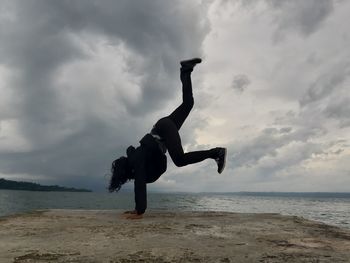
(120, 174)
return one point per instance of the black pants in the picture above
(168, 127)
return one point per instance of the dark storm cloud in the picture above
(340, 110)
(328, 97)
(326, 84)
(240, 82)
(304, 17)
(277, 152)
(38, 40)
(267, 143)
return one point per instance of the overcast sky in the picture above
(82, 80)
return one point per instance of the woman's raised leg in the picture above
(179, 115)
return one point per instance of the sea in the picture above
(329, 208)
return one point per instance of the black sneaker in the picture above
(190, 63)
(221, 159)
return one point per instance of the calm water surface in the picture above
(328, 208)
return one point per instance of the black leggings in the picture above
(168, 128)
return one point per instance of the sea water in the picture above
(330, 208)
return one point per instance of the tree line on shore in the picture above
(15, 185)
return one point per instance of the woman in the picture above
(148, 162)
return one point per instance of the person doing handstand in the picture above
(146, 163)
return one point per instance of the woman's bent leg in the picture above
(167, 129)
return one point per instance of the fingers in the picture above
(130, 212)
(134, 216)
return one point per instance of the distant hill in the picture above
(14, 185)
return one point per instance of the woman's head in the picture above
(120, 174)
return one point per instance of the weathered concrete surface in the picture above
(163, 236)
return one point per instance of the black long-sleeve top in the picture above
(148, 163)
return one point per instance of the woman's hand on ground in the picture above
(134, 216)
(130, 212)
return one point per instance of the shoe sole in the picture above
(225, 155)
(192, 61)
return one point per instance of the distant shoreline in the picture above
(292, 194)
(47, 191)
(34, 187)
(266, 194)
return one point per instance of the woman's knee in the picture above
(179, 161)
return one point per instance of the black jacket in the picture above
(148, 163)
